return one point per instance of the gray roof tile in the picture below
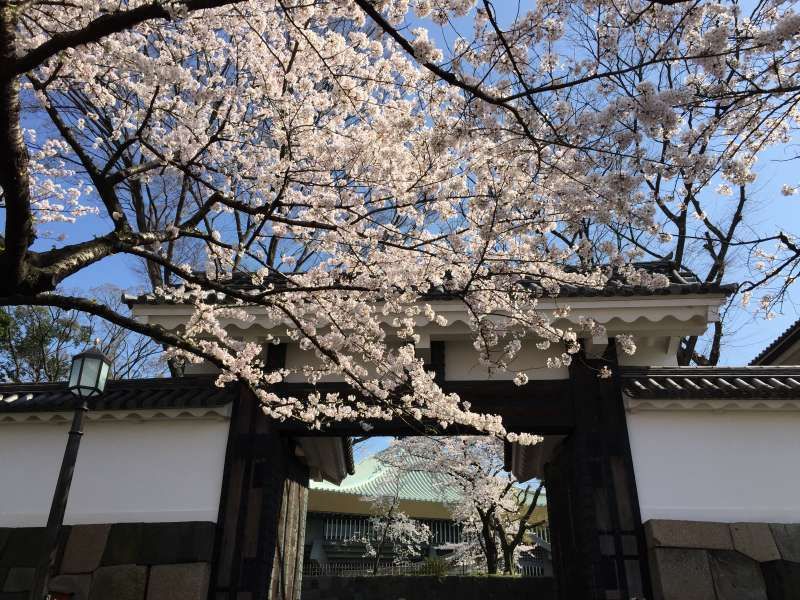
(680, 282)
(123, 394)
(710, 382)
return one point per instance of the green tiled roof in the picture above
(374, 478)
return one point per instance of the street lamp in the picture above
(89, 373)
(87, 379)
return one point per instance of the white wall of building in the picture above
(462, 360)
(462, 363)
(650, 352)
(151, 471)
(717, 466)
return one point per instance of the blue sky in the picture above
(369, 447)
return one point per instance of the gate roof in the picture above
(711, 382)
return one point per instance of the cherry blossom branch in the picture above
(96, 30)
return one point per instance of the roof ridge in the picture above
(723, 383)
(137, 381)
(681, 281)
(151, 393)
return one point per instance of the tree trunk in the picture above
(378, 553)
(14, 161)
(384, 535)
(508, 559)
(489, 545)
(507, 546)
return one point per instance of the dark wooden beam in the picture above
(437, 361)
(508, 456)
(276, 357)
(598, 541)
(541, 406)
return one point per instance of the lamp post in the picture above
(87, 379)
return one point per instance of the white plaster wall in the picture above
(296, 359)
(154, 471)
(462, 363)
(726, 467)
(653, 352)
(202, 368)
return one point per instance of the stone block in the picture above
(787, 539)
(123, 546)
(782, 579)
(84, 548)
(688, 534)
(736, 576)
(754, 540)
(177, 543)
(61, 545)
(23, 547)
(76, 585)
(119, 582)
(429, 588)
(19, 579)
(4, 533)
(682, 574)
(178, 582)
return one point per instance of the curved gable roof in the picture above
(373, 478)
(779, 346)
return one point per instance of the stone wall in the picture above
(123, 561)
(427, 588)
(693, 560)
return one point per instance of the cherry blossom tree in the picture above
(496, 512)
(332, 164)
(390, 532)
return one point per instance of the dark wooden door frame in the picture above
(541, 406)
(603, 495)
(607, 551)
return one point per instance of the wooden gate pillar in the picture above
(258, 552)
(598, 541)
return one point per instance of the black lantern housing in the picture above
(89, 373)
